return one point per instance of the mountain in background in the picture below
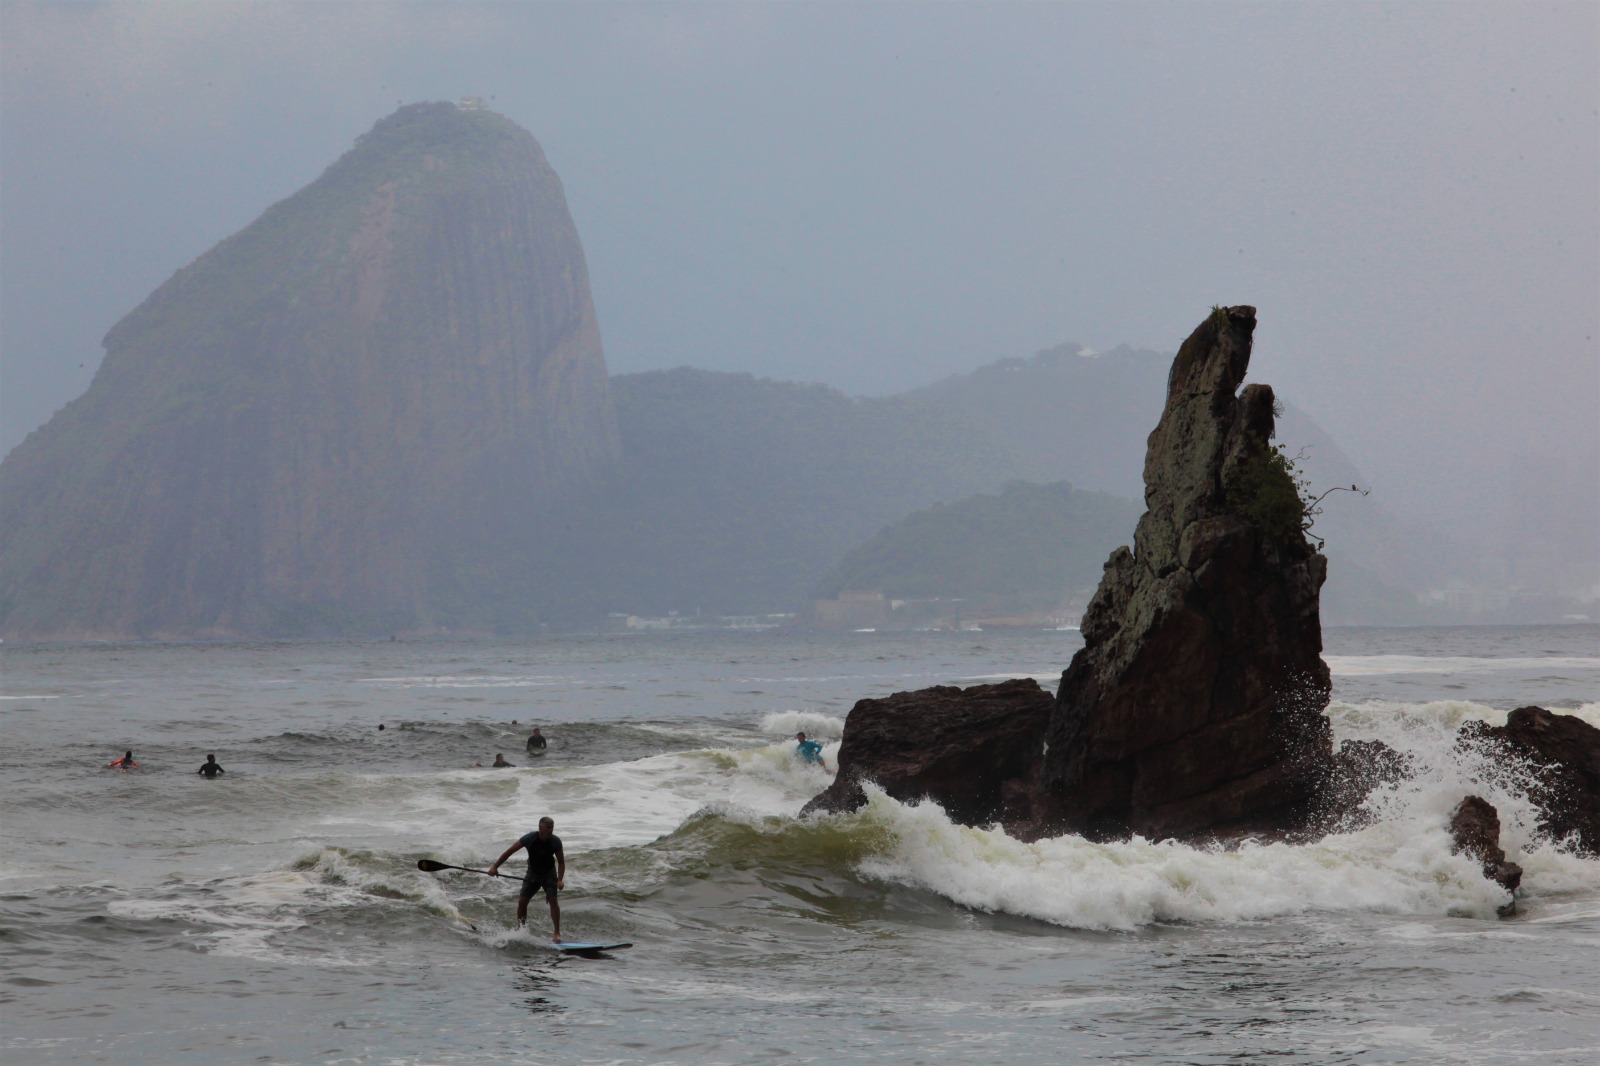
(383, 407)
(735, 493)
(1030, 551)
(1072, 414)
(343, 418)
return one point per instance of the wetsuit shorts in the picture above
(532, 884)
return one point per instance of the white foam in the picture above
(1376, 665)
(812, 723)
(1069, 881)
(467, 681)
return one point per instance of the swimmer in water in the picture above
(500, 760)
(124, 763)
(809, 750)
(210, 770)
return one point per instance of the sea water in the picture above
(277, 915)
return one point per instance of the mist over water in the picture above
(277, 914)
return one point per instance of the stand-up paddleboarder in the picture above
(547, 870)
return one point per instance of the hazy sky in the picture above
(878, 195)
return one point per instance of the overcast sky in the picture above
(878, 195)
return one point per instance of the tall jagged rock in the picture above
(353, 415)
(1196, 702)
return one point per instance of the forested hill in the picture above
(1065, 413)
(738, 491)
(1028, 549)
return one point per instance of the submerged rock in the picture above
(1475, 830)
(1196, 702)
(966, 749)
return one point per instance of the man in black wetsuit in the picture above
(536, 742)
(210, 770)
(547, 870)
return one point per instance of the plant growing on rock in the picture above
(1271, 491)
(1268, 490)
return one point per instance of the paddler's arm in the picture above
(494, 870)
(561, 868)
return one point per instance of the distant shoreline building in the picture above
(853, 609)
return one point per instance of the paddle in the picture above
(428, 866)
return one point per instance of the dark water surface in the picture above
(277, 915)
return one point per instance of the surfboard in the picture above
(579, 947)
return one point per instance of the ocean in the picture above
(277, 915)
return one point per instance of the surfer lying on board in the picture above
(809, 750)
(124, 763)
(500, 759)
(547, 870)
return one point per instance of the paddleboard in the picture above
(578, 947)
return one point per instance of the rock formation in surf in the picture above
(969, 750)
(354, 415)
(1560, 754)
(1475, 830)
(1196, 702)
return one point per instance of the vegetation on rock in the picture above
(1268, 490)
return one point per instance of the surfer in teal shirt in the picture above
(810, 750)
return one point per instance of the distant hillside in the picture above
(1065, 414)
(352, 416)
(736, 492)
(1068, 414)
(1029, 548)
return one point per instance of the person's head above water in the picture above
(800, 736)
(547, 826)
(128, 755)
(535, 730)
(210, 757)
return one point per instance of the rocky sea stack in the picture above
(349, 417)
(1196, 702)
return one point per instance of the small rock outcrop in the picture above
(1475, 831)
(1562, 752)
(966, 749)
(1196, 702)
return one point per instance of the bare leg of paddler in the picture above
(555, 919)
(522, 910)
